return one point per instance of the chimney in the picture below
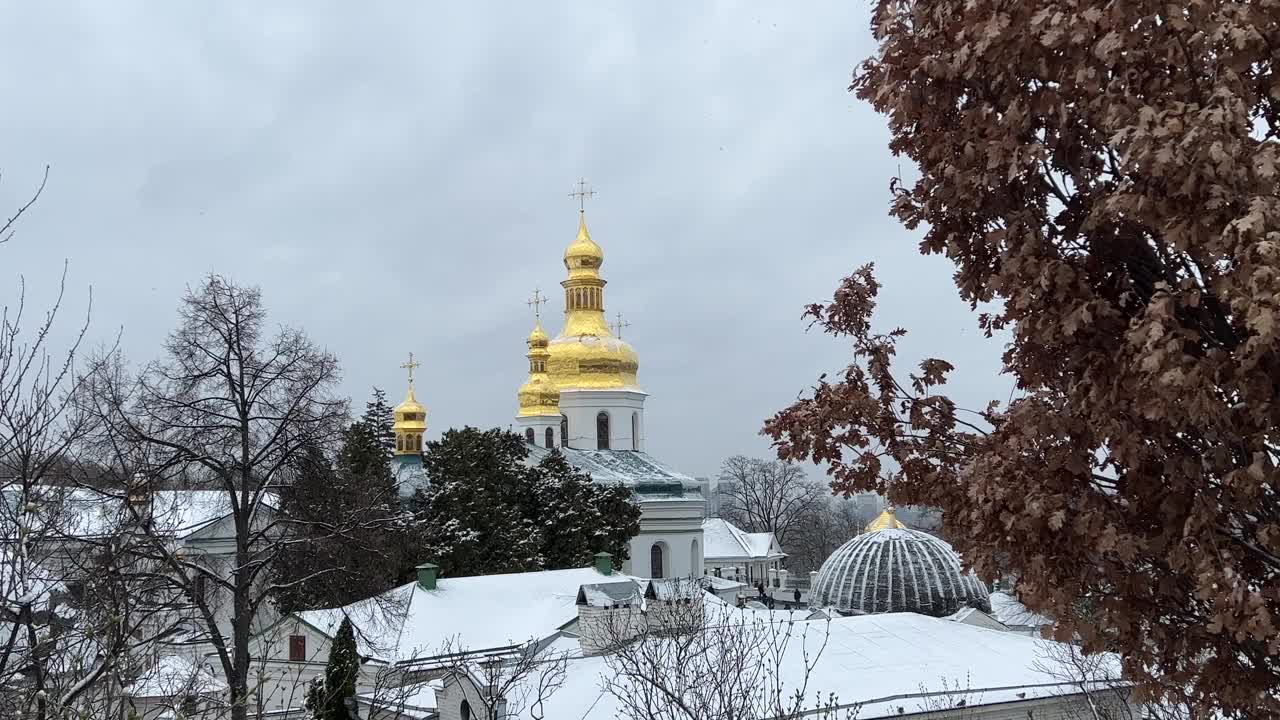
(604, 563)
(427, 575)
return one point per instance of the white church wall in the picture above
(625, 409)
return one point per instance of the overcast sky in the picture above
(395, 176)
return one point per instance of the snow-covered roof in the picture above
(611, 594)
(883, 662)
(720, 584)
(897, 570)
(1008, 610)
(624, 467)
(85, 512)
(414, 701)
(724, 541)
(471, 614)
(176, 676)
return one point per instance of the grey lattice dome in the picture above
(890, 568)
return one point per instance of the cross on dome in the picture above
(536, 302)
(582, 193)
(411, 366)
(618, 325)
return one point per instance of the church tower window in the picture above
(528, 435)
(551, 438)
(602, 430)
(655, 560)
(635, 431)
(564, 431)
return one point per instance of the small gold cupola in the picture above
(886, 521)
(410, 418)
(538, 395)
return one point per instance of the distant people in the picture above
(797, 596)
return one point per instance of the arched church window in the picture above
(564, 431)
(655, 560)
(465, 710)
(551, 438)
(528, 435)
(400, 443)
(602, 430)
(635, 431)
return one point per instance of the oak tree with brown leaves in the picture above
(1103, 175)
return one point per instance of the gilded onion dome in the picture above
(410, 417)
(585, 355)
(538, 395)
(410, 421)
(890, 568)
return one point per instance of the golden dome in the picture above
(585, 355)
(537, 338)
(538, 395)
(886, 521)
(410, 423)
(583, 256)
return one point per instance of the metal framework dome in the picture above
(895, 569)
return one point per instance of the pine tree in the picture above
(358, 485)
(327, 699)
(486, 511)
(580, 517)
(474, 515)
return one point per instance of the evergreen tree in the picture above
(370, 442)
(475, 513)
(579, 517)
(487, 511)
(359, 485)
(326, 699)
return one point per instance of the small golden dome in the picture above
(410, 414)
(538, 395)
(583, 257)
(886, 521)
(537, 338)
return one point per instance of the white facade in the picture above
(540, 430)
(622, 409)
(670, 541)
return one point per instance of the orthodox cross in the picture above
(411, 366)
(618, 325)
(582, 193)
(536, 302)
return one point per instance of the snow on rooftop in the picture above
(722, 540)
(472, 614)
(624, 467)
(885, 662)
(176, 676)
(1008, 610)
(85, 512)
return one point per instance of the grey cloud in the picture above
(394, 176)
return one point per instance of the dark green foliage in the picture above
(580, 517)
(326, 700)
(320, 569)
(487, 512)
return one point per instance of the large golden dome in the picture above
(585, 355)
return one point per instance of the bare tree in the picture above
(680, 657)
(1104, 694)
(828, 524)
(228, 410)
(503, 685)
(767, 495)
(74, 614)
